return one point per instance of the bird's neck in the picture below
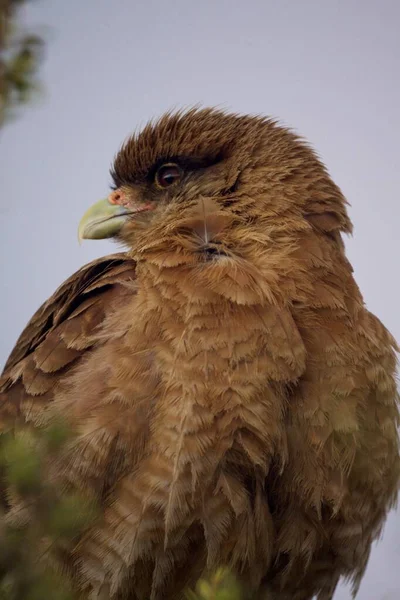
(219, 364)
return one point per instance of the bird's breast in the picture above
(219, 370)
(196, 393)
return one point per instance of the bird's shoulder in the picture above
(63, 329)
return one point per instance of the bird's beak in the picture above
(103, 220)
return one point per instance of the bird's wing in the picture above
(62, 332)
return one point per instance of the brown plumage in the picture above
(234, 399)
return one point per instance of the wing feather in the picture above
(62, 331)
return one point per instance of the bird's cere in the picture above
(118, 197)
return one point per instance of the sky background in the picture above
(327, 68)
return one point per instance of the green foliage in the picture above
(42, 517)
(220, 586)
(70, 516)
(22, 464)
(56, 435)
(19, 60)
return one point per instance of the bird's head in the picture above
(224, 195)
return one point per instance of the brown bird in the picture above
(234, 400)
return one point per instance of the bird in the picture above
(233, 400)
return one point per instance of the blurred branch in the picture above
(19, 59)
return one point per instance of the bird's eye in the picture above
(167, 175)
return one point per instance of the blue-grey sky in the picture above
(328, 68)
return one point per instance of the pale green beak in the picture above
(102, 220)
